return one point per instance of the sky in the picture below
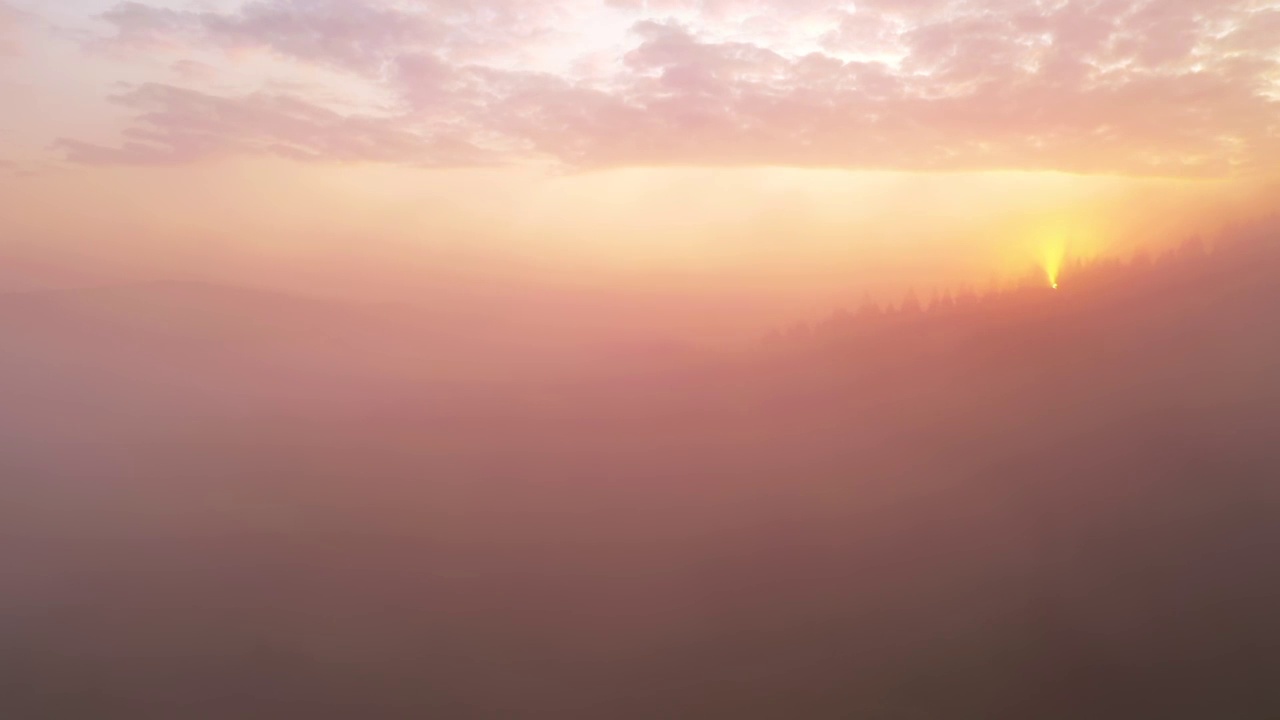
(797, 150)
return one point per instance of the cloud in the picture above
(1168, 87)
(177, 125)
(11, 25)
(193, 70)
(360, 36)
(11, 168)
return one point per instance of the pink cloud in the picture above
(354, 35)
(11, 24)
(192, 70)
(1155, 86)
(177, 125)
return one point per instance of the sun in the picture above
(1056, 240)
(1053, 256)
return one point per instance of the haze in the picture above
(639, 358)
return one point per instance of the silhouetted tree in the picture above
(911, 303)
(869, 310)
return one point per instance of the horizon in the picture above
(1046, 274)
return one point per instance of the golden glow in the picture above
(1056, 238)
(1054, 254)
(787, 242)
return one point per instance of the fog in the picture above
(222, 502)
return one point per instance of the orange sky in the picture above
(799, 151)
